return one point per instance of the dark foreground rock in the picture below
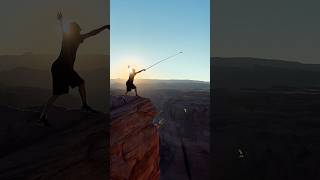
(266, 134)
(74, 148)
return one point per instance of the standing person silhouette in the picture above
(129, 82)
(63, 73)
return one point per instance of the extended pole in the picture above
(164, 60)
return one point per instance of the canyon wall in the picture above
(134, 139)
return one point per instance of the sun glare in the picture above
(130, 69)
(65, 27)
(123, 65)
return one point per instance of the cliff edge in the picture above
(134, 139)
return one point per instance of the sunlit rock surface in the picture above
(134, 139)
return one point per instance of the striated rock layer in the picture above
(134, 139)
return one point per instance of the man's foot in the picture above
(43, 121)
(87, 108)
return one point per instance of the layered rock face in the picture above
(74, 148)
(134, 139)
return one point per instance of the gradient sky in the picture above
(144, 31)
(31, 26)
(285, 29)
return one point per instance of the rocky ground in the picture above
(74, 148)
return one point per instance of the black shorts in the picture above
(63, 77)
(130, 85)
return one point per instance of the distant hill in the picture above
(237, 73)
(29, 76)
(44, 61)
(20, 97)
(162, 84)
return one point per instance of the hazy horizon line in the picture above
(32, 53)
(264, 58)
(163, 79)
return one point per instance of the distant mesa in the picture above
(241, 72)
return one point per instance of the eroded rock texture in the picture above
(134, 139)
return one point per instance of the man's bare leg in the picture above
(48, 105)
(135, 90)
(83, 94)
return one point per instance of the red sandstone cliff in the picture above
(134, 140)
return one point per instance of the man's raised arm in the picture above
(140, 71)
(95, 32)
(59, 17)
